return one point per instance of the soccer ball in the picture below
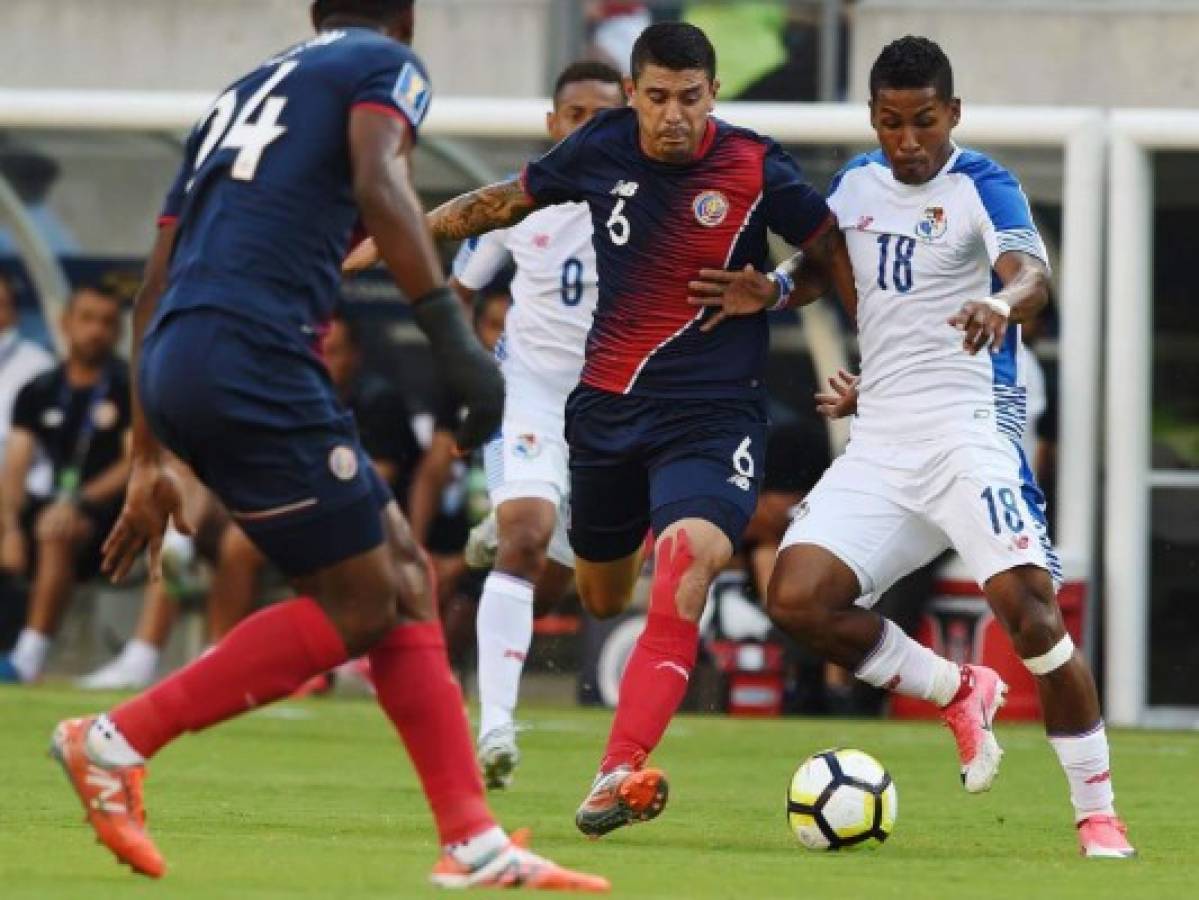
(840, 799)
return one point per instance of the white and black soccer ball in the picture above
(840, 799)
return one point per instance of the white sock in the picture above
(907, 667)
(140, 659)
(1087, 763)
(29, 655)
(475, 851)
(505, 630)
(108, 747)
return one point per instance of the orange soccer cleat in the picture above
(621, 797)
(515, 867)
(112, 798)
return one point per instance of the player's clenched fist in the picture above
(466, 367)
(983, 323)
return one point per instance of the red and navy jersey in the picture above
(655, 226)
(264, 200)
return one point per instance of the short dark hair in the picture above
(912, 62)
(675, 46)
(586, 70)
(95, 290)
(374, 10)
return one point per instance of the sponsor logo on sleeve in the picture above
(412, 93)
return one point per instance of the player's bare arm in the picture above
(802, 279)
(498, 205)
(1025, 292)
(495, 206)
(18, 458)
(391, 212)
(153, 497)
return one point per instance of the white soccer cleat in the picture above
(499, 756)
(482, 544)
(970, 717)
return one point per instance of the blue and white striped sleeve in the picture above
(1006, 220)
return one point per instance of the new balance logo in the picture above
(625, 189)
(514, 654)
(740, 481)
(110, 787)
(674, 667)
(1100, 778)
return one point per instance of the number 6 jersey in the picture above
(919, 252)
(264, 201)
(655, 226)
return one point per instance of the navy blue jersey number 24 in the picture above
(229, 126)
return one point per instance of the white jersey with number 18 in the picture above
(553, 292)
(919, 252)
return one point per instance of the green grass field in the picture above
(316, 799)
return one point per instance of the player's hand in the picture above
(742, 293)
(365, 255)
(152, 499)
(469, 371)
(982, 325)
(842, 398)
(13, 552)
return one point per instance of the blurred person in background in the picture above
(78, 414)
(20, 360)
(613, 28)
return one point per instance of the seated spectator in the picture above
(20, 361)
(78, 415)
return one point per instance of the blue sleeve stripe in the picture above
(1022, 240)
(999, 191)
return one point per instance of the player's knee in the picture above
(522, 547)
(601, 600)
(1026, 604)
(795, 603)
(366, 613)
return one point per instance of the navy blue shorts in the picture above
(251, 409)
(637, 462)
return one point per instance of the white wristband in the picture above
(1000, 306)
(785, 284)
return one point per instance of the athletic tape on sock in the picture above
(1058, 656)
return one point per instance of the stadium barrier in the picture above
(1079, 134)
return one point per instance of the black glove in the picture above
(464, 364)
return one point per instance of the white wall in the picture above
(1063, 53)
(480, 47)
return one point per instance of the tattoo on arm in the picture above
(494, 206)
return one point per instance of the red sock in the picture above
(266, 657)
(655, 680)
(418, 692)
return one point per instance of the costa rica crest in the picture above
(711, 208)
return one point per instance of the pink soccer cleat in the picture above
(1104, 837)
(969, 717)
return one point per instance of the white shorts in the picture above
(529, 457)
(887, 509)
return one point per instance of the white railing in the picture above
(1133, 136)
(1079, 133)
